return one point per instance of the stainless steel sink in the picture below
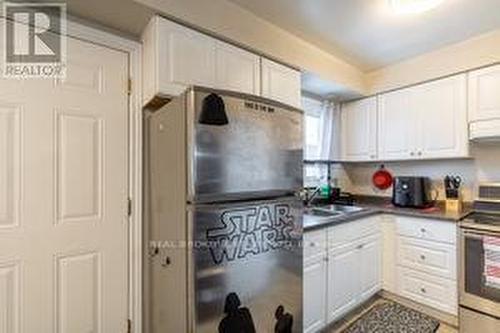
(316, 216)
(318, 212)
(340, 209)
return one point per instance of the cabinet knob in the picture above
(423, 290)
(360, 246)
(312, 244)
(412, 153)
(422, 257)
(419, 153)
(423, 230)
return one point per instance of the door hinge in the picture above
(129, 86)
(129, 207)
(129, 326)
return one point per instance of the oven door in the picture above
(479, 290)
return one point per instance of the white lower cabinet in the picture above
(345, 265)
(315, 294)
(314, 280)
(428, 289)
(370, 265)
(343, 280)
(426, 264)
(354, 274)
(342, 268)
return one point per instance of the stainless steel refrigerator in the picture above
(224, 227)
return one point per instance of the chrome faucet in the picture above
(307, 197)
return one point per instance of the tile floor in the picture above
(356, 314)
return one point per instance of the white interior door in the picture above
(63, 191)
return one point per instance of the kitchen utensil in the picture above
(452, 186)
(382, 179)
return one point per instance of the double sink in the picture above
(319, 215)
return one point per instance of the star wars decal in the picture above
(251, 231)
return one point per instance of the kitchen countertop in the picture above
(373, 205)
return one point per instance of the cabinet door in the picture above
(359, 130)
(370, 265)
(484, 99)
(343, 281)
(314, 281)
(185, 57)
(237, 69)
(442, 125)
(396, 126)
(280, 83)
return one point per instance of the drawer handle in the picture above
(422, 257)
(423, 290)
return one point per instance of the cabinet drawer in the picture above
(429, 290)
(433, 230)
(314, 243)
(349, 231)
(430, 257)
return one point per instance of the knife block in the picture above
(454, 205)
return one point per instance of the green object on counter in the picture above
(325, 191)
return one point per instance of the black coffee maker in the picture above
(412, 192)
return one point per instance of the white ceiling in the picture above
(368, 34)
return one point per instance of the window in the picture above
(312, 128)
(312, 140)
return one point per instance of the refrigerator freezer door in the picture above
(245, 266)
(258, 153)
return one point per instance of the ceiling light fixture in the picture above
(413, 6)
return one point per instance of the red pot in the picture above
(382, 179)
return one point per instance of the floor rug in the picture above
(391, 317)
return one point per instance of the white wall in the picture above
(473, 53)
(231, 22)
(485, 167)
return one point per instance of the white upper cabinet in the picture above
(237, 69)
(281, 83)
(175, 57)
(359, 130)
(484, 103)
(442, 110)
(427, 121)
(396, 126)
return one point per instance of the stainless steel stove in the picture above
(479, 253)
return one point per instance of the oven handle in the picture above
(478, 233)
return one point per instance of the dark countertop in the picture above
(373, 205)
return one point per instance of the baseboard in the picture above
(440, 315)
